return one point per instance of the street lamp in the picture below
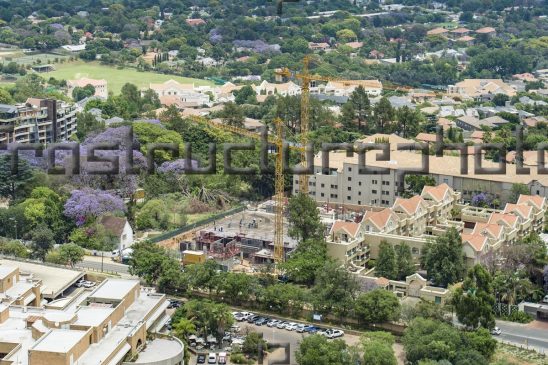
(14, 225)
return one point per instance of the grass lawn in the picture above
(116, 78)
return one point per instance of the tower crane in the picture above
(277, 141)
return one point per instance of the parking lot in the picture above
(274, 334)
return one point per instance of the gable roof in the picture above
(171, 84)
(351, 228)
(381, 218)
(523, 210)
(486, 30)
(436, 192)
(437, 31)
(409, 205)
(535, 200)
(509, 220)
(426, 137)
(491, 229)
(113, 225)
(476, 241)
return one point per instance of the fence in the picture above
(199, 223)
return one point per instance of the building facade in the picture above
(37, 121)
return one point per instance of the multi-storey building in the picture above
(109, 325)
(415, 221)
(341, 182)
(37, 121)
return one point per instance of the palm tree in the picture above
(184, 328)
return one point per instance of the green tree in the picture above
(443, 258)
(481, 341)
(254, 343)
(378, 353)
(474, 300)
(80, 93)
(409, 121)
(361, 106)
(305, 261)
(377, 306)
(304, 218)
(517, 190)
(11, 182)
(404, 261)
(87, 123)
(384, 115)
(426, 339)
(386, 262)
(317, 350)
(246, 95)
(415, 183)
(500, 99)
(14, 248)
(183, 328)
(71, 254)
(153, 215)
(5, 97)
(43, 239)
(238, 287)
(233, 115)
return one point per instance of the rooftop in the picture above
(59, 341)
(114, 289)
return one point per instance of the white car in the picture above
(281, 325)
(335, 333)
(273, 322)
(88, 284)
(496, 331)
(300, 328)
(291, 326)
(545, 299)
(212, 358)
(243, 316)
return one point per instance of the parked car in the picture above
(300, 328)
(212, 358)
(227, 337)
(335, 333)
(311, 329)
(222, 357)
(291, 326)
(252, 318)
(241, 316)
(545, 299)
(261, 321)
(322, 331)
(281, 325)
(273, 322)
(201, 359)
(496, 331)
(174, 304)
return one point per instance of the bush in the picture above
(519, 317)
(239, 358)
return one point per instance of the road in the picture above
(533, 335)
(94, 263)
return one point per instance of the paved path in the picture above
(109, 266)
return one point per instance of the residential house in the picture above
(475, 124)
(437, 32)
(195, 22)
(487, 32)
(345, 243)
(347, 87)
(100, 86)
(460, 32)
(284, 89)
(322, 46)
(429, 138)
(468, 40)
(120, 230)
(481, 89)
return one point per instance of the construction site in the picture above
(245, 235)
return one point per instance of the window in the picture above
(384, 192)
(334, 196)
(323, 185)
(349, 169)
(334, 186)
(359, 193)
(374, 182)
(437, 300)
(374, 191)
(322, 194)
(349, 188)
(386, 183)
(446, 181)
(359, 202)
(349, 178)
(348, 197)
(359, 183)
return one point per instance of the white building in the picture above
(285, 89)
(101, 88)
(346, 88)
(120, 229)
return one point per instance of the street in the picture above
(94, 263)
(533, 335)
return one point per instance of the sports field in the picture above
(115, 77)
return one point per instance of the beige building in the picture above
(283, 89)
(108, 325)
(101, 89)
(481, 89)
(347, 87)
(342, 183)
(37, 121)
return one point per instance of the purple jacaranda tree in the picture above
(87, 204)
(258, 46)
(176, 166)
(481, 200)
(215, 36)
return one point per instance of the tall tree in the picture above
(304, 218)
(42, 241)
(474, 300)
(384, 115)
(317, 350)
(362, 106)
(409, 121)
(386, 262)
(404, 261)
(12, 181)
(233, 115)
(377, 306)
(443, 258)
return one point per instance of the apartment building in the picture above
(109, 325)
(37, 121)
(342, 182)
(481, 89)
(347, 87)
(416, 220)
